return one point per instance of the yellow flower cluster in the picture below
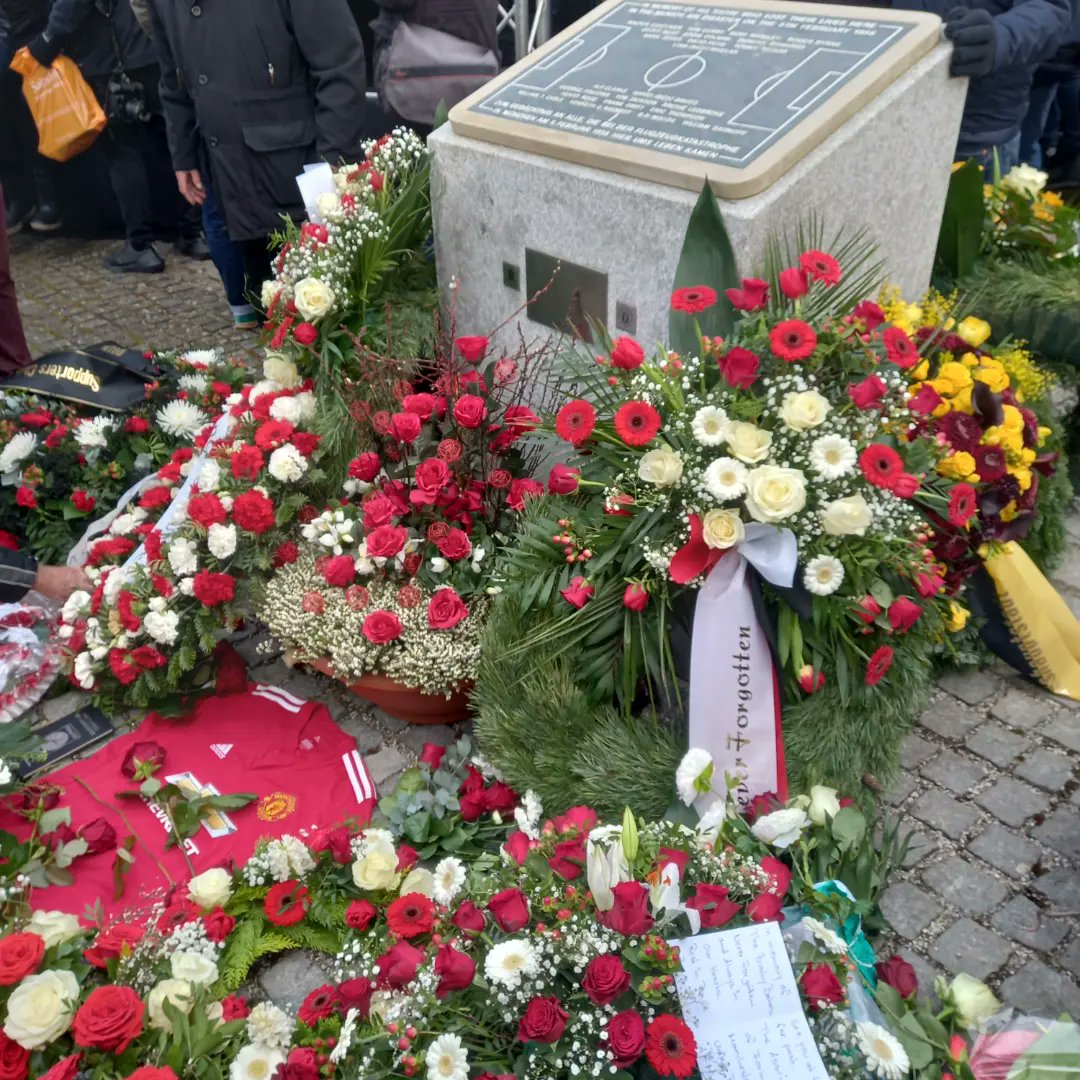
(1046, 205)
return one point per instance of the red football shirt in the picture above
(304, 770)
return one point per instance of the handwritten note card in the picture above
(739, 997)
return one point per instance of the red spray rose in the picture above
(899, 974)
(65, 1069)
(521, 488)
(712, 904)
(399, 964)
(544, 1021)
(218, 924)
(360, 914)
(517, 846)
(99, 836)
(446, 609)
(470, 411)
(753, 295)
(794, 282)
(356, 994)
(636, 597)
(14, 1059)
(578, 592)
(605, 979)
(25, 498)
(110, 1019)
(627, 354)
(568, 858)
(305, 333)
(472, 349)
(867, 394)
(563, 479)
(903, 614)
(739, 368)
(407, 858)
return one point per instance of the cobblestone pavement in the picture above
(991, 784)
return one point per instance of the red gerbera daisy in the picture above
(575, 422)
(692, 300)
(318, 1005)
(792, 340)
(821, 267)
(287, 903)
(411, 915)
(881, 465)
(671, 1047)
(878, 665)
(637, 423)
(899, 348)
(962, 505)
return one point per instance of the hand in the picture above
(59, 582)
(44, 50)
(191, 186)
(971, 30)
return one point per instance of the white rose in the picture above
(804, 411)
(973, 1000)
(313, 299)
(774, 493)
(280, 369)
(748, 442)
(194, 968)
(41, 1007)
(376, 871)
(176, 992)
(328, 204)
(850, 516)
(824, 804)
(722, 529)
(54, 926)
(419, 881)
(211, 888)
(781, 828)
(1024, 180)
(662, 467)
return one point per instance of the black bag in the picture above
(106, 377)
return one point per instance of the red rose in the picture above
(407, 858)
(544, 1021)
(99, 836)
(625, 1038)
(338, 570)
(903, 614)
(360, 914)
(868, 393)
(405, 427)
(20, 954)
(365, 467)
(470, 411)
(753, 295)
(578, 592)
(517, 846)
(234, 1007)
(899, 974)
(14, 1059)
(794, 282)
(905, 486)
(568, 858)
(501, 798)
(83, 502)
(928, 585)
(712, 904)
(8, 541)
(56, 437)
(867, 609)
(446, 609)
(472, 805)
(253, 512)
(305, 333)
(472, 349)
(152, 1072)
(113, 943)
(381, 627)
(432, 754)
(421, 404)
(455, 970)
(739, 367)
(206, 510)
(340, 842)
(454, 545)
(519, 489)
(65, 1069)
(110, 1019)
(246, 463)
(212, 589)
(580, 819)
(627, 354)
(356, 994)
(386, 541)
(469, 918)
(218, 924)
(636, 597)
(605, 979)
(765, 908)
(563, 479)
(821, 987)
(25, 498)
(398, 965)
(869, 314)
(510, 910)
(630, 915)
(143, 760)
(379, 510)
(432, 475)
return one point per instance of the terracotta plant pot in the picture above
(403, 702)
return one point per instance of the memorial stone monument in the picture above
(589, 154)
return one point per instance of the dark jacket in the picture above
(18, 571)
(471, 20)
(266, 86)
(86, 35)
(22, 20)
(1065, 63)
(1028, 32)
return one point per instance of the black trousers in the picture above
(258, 266)
(14, 353)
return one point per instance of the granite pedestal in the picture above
(885, 170)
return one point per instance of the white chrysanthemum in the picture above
(181, 419)
(447, 1059)
(93, 433)
(182, 557)
(527, 815)
(823, 575)
(885, 1057)
(832, 456)
(195, 382)
(18, 449)
(269, 1025)
(725, 479)
(162, 626)
(287, 464)
(693, 777)
(256, 1061)
(221, 540)
(209, 475)
(511, 961)
(209, 357)
(449, 877)
(710, 425)
(829, 939)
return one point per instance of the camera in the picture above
(125, 100)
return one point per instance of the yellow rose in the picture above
(850, 516)
(774, 493)
(722, 528)
(994, 377)
(974, 331)
(748, 442)
(957, 466)
(313, 299)
(958, 617)
(376, 871)
(804, 411)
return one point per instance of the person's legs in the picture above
(257, 266)
(228, 257)
(1068, 101)
(18, 146)
(1031, 130)
(14, 352)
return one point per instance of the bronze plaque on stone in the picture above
(680, 91)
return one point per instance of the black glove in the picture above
(971, 30)
(44, 49)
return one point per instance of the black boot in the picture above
(127, 260)
(47, 218)
(18, 214)
(193, 247)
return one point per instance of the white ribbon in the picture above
(734, 697)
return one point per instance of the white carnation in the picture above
(209, 475)
(287, 464)
(193, 967)
(268, 1025)
(163, 627)
(182, 557)
(221, 540)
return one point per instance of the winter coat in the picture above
(261, 87)
(1027, 32)
(87, 36)
(470, 20)
(1065, 63)
(23, 20)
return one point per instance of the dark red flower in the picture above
(360, 914)
(575, 422)
(753, 295)
(963, 505)
(635, 597)
(821, 267)
(143, 760)
(762, 804)
(411, 915)
(605, 979)
(212, 589)
(399, 964)
(563, 479)
(765, 908)
(821, 987)
(356, 994)
(899, 974)
(625, 1038)
(869, 314)
(510, 910)
(792, 340)
(544, 1021)
(961, 431)
(287, 903)
(881, 465)
(694, 299)
(568, 858)
(899, 348)
(627, 354)
(878, 665)
(578, 593)
(455, 970)
(99, 836)
(469, 918)
(630, 915)
(671, 1047)
(287, 552)
(637, 423)
(712, 904)
(501, 798)
(218, 924)
(305, 333)
(739, 368)
(990, 463)
(318, 1005)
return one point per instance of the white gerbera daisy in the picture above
(447, 1059)
(18, 449)
(449, 877)
(823, 575)
(710, 425)
(181, 419)
(256, 1061)
(201, 356)
(830, 939)
(885, 1057)
(269, 1025)
(511, 961)
(832, 456)
(694, 774)
(725, 479)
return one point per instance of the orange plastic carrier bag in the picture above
(65, 110)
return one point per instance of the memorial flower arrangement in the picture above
(1023, 217)
(61, 468)
(394, 578)
(183, 562)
